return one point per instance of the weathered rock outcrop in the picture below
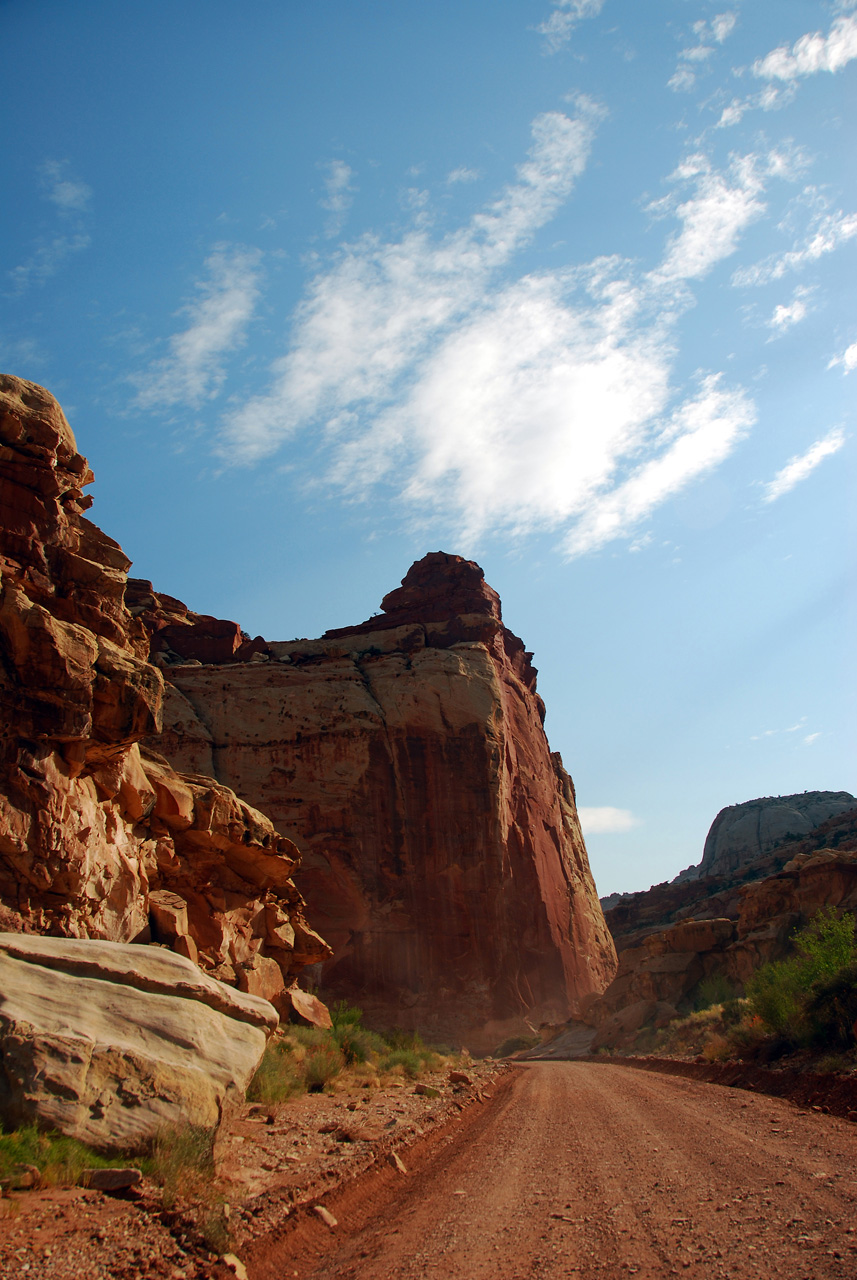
(99, 838)
(443, 857)
(675, 936)
(744, 833)
(111, 1043)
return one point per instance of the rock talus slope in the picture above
(443, 857)
(98, 837)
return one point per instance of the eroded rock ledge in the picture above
(100, 838)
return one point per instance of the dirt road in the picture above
(587, 1169)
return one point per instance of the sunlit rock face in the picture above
(98, 837)
(443, 858)
(743, 833)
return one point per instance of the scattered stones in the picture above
(326, 1216)
(397, 1162)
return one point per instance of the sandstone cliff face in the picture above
(443, 858)
(99, 838)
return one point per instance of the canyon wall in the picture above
(677, 936)
(99, 836)
(406, 756)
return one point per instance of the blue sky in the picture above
(563, 287)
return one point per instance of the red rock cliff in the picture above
(98, 838)
(443, 857)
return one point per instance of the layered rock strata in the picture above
(443, 857)
(98, 837)
(111, 1043)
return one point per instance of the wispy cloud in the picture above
(811, 53)
(848, 359)
(605, 819)
(338, 196)
(788, 314)
(692, 56)
(802, 465)
(712, 219)
(463, 174)
(564, 17)
(701, 433)
(65, 191)
(490, 403)
(194, 369)
(826, 233)
(783, 68)
(71, 197)
(381, 306)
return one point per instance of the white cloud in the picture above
(194, 369)
(785, 315)
(848, 359)
(811, 53)
(802, 465)
(720, 27)
(71, 197)
(785, 67)
(68, 193)
(381, 305)
(490, 403)
(605, 819)
(811, 738)
(463, 174)
(338, 194)
(826, 233)
(722, 205)
(564, 18)
(702, 432)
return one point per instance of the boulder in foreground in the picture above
(110, 1043)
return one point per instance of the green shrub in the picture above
(278, 1076)
(60, 1160)
(515, 1044)
(832, 1008)
(323, 1062)
(788, 994)
(181, 1159)
(716, 989)
(356, 1044)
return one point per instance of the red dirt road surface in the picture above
(593, 1170)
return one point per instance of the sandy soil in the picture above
(550, 1169)
(588, 1169)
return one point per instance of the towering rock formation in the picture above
(443, 858)
(99, 838)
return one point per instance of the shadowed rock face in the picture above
(443, 857)
(99, 839)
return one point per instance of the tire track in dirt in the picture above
(587, 1170)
